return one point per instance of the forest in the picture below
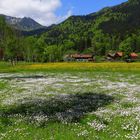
(109, 30)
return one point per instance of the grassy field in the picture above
(70, 101)
(60, 67)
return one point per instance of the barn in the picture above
(133, 55)
(80, 57)
(118, 55)
(114, 56)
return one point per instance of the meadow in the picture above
(70, 101)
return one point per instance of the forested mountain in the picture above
(112, 29)
(36, 32)
(23, 24)
(121, 19)
(99, 32)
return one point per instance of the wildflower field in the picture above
(70, 101)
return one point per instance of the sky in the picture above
(48, 12)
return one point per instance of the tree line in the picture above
(68, 38)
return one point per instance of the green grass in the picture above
(70, 67)
(101, 104)
(3, 85)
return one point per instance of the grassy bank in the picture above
(32, 67)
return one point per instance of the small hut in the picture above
(114, 56)
(133, 55)
(79, 57)
(118, 55)
(82, 57)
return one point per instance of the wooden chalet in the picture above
(118, 55)
(80, 57)
(133, 55)
(113, 56)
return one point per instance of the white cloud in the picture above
(42, 11)
(61, 18)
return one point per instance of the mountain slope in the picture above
(23, 24)
(123, 19)
(117, 19)
(107, 27)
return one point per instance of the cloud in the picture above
(43, 11)
(61, 18)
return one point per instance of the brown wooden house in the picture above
(113, 56)
(133, 55)
(118, 55)
(80, 57)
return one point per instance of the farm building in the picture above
(113, 56)
(119, 55)
(79, 57)
(133, 55)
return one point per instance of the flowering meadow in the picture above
(70, 101)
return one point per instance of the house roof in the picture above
(81, 56)
(111, 54)
(134, 55)
(119, 54)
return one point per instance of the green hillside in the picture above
(106, 28)
(111, 29)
